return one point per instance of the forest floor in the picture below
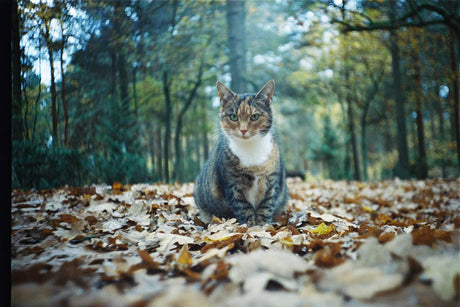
(339, 244)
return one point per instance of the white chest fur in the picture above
(252, 152)
(255, 194)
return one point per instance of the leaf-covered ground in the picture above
(339, 244)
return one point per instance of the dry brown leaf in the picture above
(428, 236)
(147, 260)
(329, 256)
(147, 242)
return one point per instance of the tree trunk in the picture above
(402, 168)
(237, 44)
(187, 162)
(17, 124)
(422, 163)
(151, 148)
(113, 73)
(26, 135)
(197, 153)
(178, 163)
(54, 118)
(440, 116)
(37, 103)
(123, 84)
(135, 92)
(364, 138)
(347, 161)
(159, 153)
(126, 115)
(63, 98)
(354, 146)
(367, 103)
(205, 138)
(439, 110)
(167, 123)
(349, 103)
(53, 100)
(205, 145)
(456, 94)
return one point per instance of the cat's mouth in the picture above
(238, 135)
(245, 136)
(242, 137)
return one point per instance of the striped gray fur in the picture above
(244, 176)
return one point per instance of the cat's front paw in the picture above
(251, 221)
(263, 220)
(244, 213)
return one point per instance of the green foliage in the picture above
(127, 57)
(40, 166)
(328, 150)
(121, 167)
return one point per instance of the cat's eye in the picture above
(255, 117)
(233, 117)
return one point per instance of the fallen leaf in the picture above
(443, 272)
(322, 229)
(139, 244)
(185, 258)
(428, 236)
(329, 256)
(361, 283)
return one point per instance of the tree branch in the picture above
(451, 20)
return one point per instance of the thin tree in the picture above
(236, 29)
(349, 103)
(50, 46)
(17, 124)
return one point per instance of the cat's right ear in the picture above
(225, 93)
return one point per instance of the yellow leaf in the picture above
(185, 257)
(287, 241)
(210, 240)
(367, 209)
(222, 236)
(117, 186)
(323, 229)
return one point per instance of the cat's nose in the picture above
(243, 132)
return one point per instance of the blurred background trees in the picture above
(107, 91)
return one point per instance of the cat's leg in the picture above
(242, 209)
(280, 204)
(269, 206)
(265, 211)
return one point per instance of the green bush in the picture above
(42, 167)
(39, 166)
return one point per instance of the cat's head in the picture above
(246, 116)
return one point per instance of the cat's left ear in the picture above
(225, 93)
(266, 93)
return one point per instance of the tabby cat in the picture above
(244, 176)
